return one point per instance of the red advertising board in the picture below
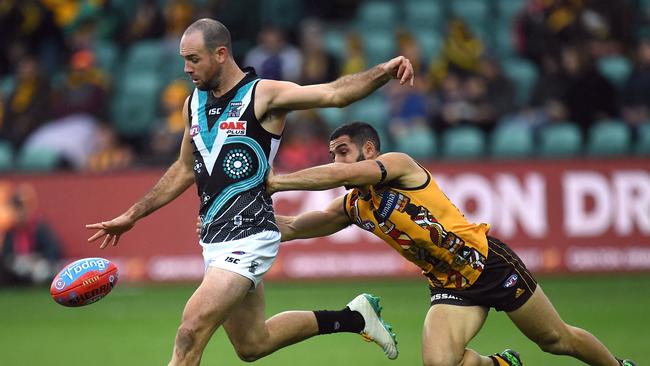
(560, 216)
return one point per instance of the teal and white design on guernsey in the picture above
(232, 154)
(375, 330)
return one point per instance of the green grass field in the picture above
(136, 325)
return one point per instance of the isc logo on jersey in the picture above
(236, 128)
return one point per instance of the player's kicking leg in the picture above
(254, 337)
(219, 293)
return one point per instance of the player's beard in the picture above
(213, 83)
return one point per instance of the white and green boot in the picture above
(375, 330)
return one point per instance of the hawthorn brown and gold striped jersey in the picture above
(426, 228)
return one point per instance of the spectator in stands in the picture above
(147, 23)
(461, 53)
(355, 60)
(546, 104)
(636, 90)
(28, 27)
(168, 133)
(273, 57)
(450, 103)
(110, 153)
(77, 106)
(490, 95)
(26, 108)
(318, 66)
(589, 96)
(84, 90)
(547, 25)
(302, 142)
(31, 251)
(178, 15)
(410, 110)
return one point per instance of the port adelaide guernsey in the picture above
(232, 155)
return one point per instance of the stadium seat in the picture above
(615, 68)
(523, 74)
(420, 143)
(376, 15)
(6, 156)
(144, 56)
(378, 46)
(463, 142)
(334, 117)
(37, 160)
(608, 138)
(512, 141)
(430, 44)
(107, 55)
(334, 42)
(135, 105)
(507, 10)
(503, 40)
(423, 14)
(474, 12)
(642, 146)
(373, 110)
(7, 84)
(558, 140)
(285, 14)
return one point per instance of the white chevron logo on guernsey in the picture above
(210, 141)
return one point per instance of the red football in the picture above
(84, 282)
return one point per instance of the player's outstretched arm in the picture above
(314, 224)
(175, 181)
(339, 93)
(397, 166)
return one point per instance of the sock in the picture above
(344, 320)
(498, 361)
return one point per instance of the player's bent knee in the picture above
(555, 343)
(248, 352)
(442, 358)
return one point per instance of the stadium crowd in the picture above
(98, 85)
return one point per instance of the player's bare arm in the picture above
(175, 181)
(314, 224)
(339, 93)
(398, 167)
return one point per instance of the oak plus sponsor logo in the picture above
(233, 128)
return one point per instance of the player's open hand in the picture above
(400, 68)
(110, 230)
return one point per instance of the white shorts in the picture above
(250, 257)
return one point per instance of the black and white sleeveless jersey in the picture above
(232, 154)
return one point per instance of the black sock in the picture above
(344, 320)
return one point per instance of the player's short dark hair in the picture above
(215, 34)
(359, 132)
